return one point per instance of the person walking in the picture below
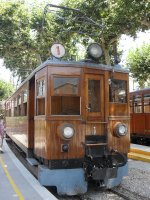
(1, 135)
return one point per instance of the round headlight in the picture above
(68, 132)
(120, 129)
(94, 51)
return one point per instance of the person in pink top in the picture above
(1, 135)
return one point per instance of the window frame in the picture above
(53, 94)
(65, 76)
(111, 93)
(145, 103)
(39, 98)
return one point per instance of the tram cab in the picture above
(78, 122)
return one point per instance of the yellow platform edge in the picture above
(136, 156)
(139, 151)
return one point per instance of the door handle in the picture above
(88, 108)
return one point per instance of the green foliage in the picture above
(5, 90)
(118, 17)
(25, 43)
(138, 62)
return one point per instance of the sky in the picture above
(126, 43)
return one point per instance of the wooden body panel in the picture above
(116, 109)
(48, 141)
(121, 144)
(31, 104)
(41, 130)
(147, 125)
(119, 112)
(40, 137)
(17, 129)
(140, 124)
(140, 118)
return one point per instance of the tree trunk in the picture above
(105, 51)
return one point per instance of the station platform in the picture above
(139, 152)
(16, 182)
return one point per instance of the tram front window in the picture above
(65, 99)
(118, 91)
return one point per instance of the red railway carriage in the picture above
(140, 116)
(73, 117)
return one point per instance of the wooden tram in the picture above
(140, 116)
(73, 117)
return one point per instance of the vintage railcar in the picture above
(73, 117)
(140, 116)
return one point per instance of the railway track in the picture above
(127, 194)
(117, 193)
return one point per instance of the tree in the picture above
(25, 42)
(23, 45)
(138, 61)
(5, 90)
(15, 36)
(119, 17)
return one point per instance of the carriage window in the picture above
(138, 104)
(147, 103)
(65, 99)
(19, 105)
(25, 93)
(118, 91)
(24, 113)
(8, 109)
(41, 88)
(15, 107)
(131, 107)
(40, 103)
(94, 95)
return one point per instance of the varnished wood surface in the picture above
(140, 121)
(48, 142)
(17, 129)
(42, 130)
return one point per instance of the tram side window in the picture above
(40, 99)
(138, 104)
(65, 98)
(131, 107)
(8, 109)
(19, 105)
(118, 91)
(147, 103)
(15, 107)
(25, 94)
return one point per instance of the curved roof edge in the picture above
(140, 90)
(116, 68)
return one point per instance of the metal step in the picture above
(32, 161)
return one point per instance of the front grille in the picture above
(92, 139)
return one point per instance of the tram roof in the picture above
(80, 64)
(77, 64)
(144, 90)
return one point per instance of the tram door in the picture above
(94, 97)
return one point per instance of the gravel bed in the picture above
(138, 179)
